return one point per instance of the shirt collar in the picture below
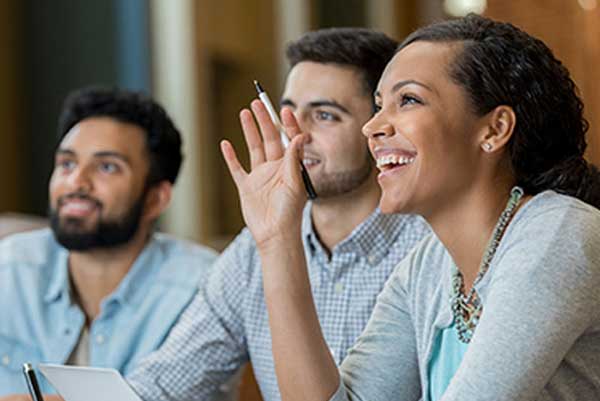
(374, 236)
(135, 279)
(141, 272)
(308, 234)
(59, 276)
(371, 239)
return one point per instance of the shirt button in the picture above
(5, 360)
(372, 259)
(100, 339)
(338, 288)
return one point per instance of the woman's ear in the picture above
(157, 199)
(501, 125)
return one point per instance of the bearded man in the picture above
(100, 287)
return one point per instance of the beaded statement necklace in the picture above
(466, 308)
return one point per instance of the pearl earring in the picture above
(487, 147)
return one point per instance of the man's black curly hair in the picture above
(364, 49)
(500, 64)
(163, 139)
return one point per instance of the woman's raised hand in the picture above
(272, 194)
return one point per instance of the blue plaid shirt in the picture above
(227, 324)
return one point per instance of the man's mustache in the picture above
(78, 196)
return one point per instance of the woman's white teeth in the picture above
(387, 160)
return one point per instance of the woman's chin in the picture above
(388, 205)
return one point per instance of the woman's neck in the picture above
(466, 224)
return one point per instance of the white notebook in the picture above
(75, 383)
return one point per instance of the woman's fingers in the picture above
(293, 158)
(252, 137)
(290, 124)
(233, 164)
(270, 133)
(263, 140)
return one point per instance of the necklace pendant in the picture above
(467, 308)
(468, 311)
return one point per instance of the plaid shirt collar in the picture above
(368, 239)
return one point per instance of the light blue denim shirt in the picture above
(40, 323)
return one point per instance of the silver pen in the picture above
(32, 383)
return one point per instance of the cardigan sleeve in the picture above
(382, 365)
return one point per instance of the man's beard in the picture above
(71, 234)
(336, 184)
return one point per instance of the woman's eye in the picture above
(326, 116)
(408, 99)
(108, 168)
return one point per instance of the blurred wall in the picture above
(235, 44)
(66, 45)
(573, 33)
(12, 165)
(174, 79)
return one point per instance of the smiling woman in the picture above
(479, 130)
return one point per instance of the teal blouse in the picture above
(447, 354)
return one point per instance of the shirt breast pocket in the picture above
(13, 354)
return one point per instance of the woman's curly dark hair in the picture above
(500, 64)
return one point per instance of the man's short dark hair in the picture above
(163, 139)
(364, 49)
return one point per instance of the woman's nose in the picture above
(377, 126)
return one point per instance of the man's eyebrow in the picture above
(101, 154)
(108, 153)
(328, 103)
(316, 103)
(65, 152)
(287, 102)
